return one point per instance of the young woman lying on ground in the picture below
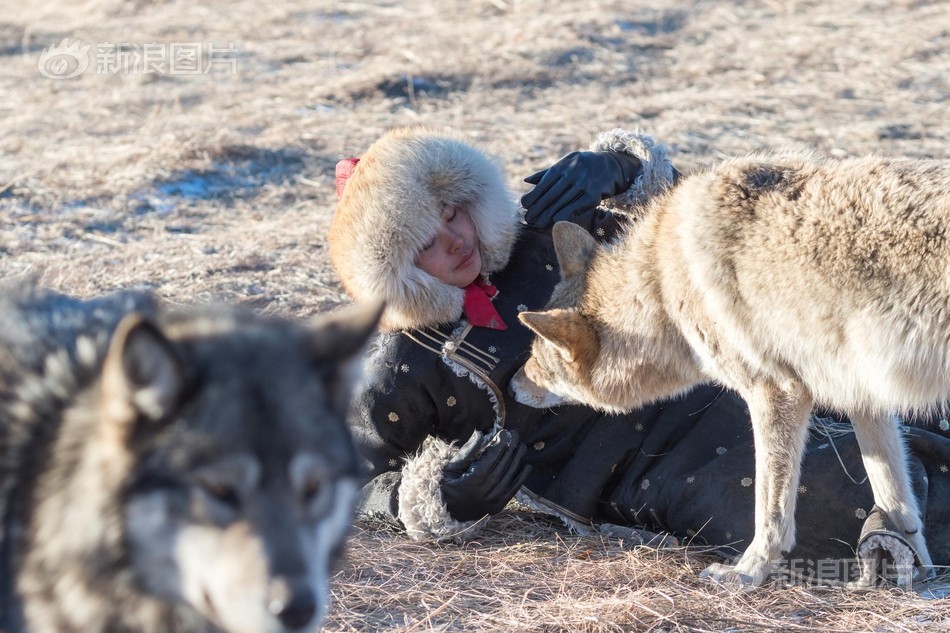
(426, 221)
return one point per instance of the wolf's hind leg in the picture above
(885, 460)
(780, 418)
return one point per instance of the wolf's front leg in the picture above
(780, 417)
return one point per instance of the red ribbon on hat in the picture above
(344, 169)
(478, 307)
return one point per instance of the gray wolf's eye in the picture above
(309, 474)
(222, 493)
(310, 489)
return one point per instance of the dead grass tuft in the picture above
(527, 574)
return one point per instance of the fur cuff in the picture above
(421, 507)
(657, 175)
(885, 555)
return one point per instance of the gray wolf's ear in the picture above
(574, 247)
(142, 372)
(566, 330)
(339, 334)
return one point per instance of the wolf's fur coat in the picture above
(166, 471)
(792, 279)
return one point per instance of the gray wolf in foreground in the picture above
(167, 470)
(792, 280)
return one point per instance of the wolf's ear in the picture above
(335, 342)
(142, 373)
(565, 329)
(573, 246)
(339, 334)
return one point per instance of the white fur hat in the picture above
(391, 207)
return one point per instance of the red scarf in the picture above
(478, 307)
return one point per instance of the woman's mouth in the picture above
(465, 261)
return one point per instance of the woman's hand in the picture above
(477, 483)
(576, 183)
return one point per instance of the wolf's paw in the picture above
(733, 576)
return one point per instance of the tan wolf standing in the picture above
(791, 279)
(170, 471)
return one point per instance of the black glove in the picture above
(577, 182)
(475, 485)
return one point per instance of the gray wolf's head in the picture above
(213, 455)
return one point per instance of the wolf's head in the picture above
(213, 458)
(601, 340)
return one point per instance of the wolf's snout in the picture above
(293, 602)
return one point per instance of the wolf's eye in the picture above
(310, 489)
(312, 480)
(223, 493)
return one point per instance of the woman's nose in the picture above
(455, 242)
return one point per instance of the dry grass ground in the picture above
(219, 185)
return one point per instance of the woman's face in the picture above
(453, 255)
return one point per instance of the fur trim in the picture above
(879, 541)
(875, 549)
(421, 507)
(658, 173)
(391, 207)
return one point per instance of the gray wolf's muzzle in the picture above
(292, 602)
